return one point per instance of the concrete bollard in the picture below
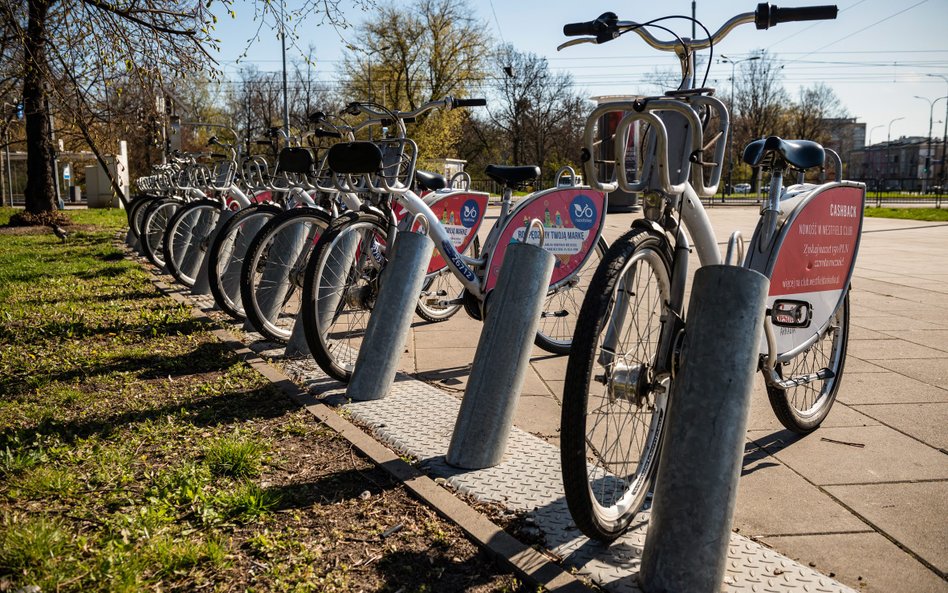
(500, 363)
(202, 283)
(696, 484)
(387, 330)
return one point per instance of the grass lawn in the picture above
(139, 453)
(930, 214)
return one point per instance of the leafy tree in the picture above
(72, 50)
(760, 102)
(539, 115)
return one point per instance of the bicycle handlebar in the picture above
(606, 27)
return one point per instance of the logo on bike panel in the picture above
(470, 212)
(582, 211)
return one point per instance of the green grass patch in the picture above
(138, 453)
(927, 214)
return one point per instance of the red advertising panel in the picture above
(816, 257)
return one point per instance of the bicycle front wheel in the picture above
(443, 286)
(810, 381)
(271, 278)
(614, 403)
(341, 285)
(186, 239)
(154, 224)
(227, 252)
(561, 309)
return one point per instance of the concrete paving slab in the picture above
(890, 349)
(762, 418)
(867, 562)
(856, 365)
(925, 422)
(936, 338)
(885, 455)
(539, 415)
(932, 372)
(881, 322)
(911, 513)
(766, 485)
(886, 387)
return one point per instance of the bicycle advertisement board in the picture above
(814, 256)
(572, 222)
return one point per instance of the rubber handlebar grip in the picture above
(767, 16)
(455, 103)
(575, 29)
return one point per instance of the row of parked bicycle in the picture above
(303, 242)
(297, 247)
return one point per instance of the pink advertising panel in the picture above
(572, 221)
(461, 214)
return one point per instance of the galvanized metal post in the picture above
(696, 485)
(387, 330)
(296, 346)
(500, 363)
(202, 283)
(193, 251)
(230, 277)
(274, 282)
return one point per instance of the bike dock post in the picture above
(696, 485)
(503, 353)
(193, 241)
(274, 283)
(387, 330)
(296, 346)
(202, 284)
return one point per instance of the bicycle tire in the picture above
(443, 285)
(186, 239)
(136, 211)
(612, 390)
(272, 272)
(154, 222)
(561, 308)
(339, 289)
(803, 407)
(226, 255)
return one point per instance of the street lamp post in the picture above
(866, 164)
(928, 151)
(944, 134)
(888, 148)
(730, 142)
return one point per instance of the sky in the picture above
(877, 55)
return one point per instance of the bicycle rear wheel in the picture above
(340, 288)
(614, 405)
(186, 239)
(227, 252)
(154, 223)
(561, 309)
(811, 379)
(271, 277)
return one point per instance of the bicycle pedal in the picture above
(562, 313)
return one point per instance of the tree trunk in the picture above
(40, 192)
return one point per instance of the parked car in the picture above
(742, 188)
(565, 181)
